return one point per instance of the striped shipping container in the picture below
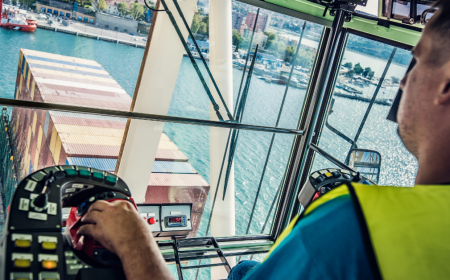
(46, 138)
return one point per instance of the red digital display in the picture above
(175, 220)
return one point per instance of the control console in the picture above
(323, 181)
(40, 240)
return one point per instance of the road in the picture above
(77, 26)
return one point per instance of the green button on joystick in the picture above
(85, 173)
(97, 176)
(111, 179)
(71, 172)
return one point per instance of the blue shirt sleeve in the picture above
(326, 244)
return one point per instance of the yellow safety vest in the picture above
(407, 228)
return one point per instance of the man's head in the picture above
(424, 111)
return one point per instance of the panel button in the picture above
(151, 221)
(22, 243)
(98, 176)
(47, 275)
(21, 275)
(59, 175)
(320, 179)
(71, 172)
(85, 173)
(49, 246)
(49, 264)
(328, 174)
(336, 174)
(101, 196)
(111, 179)
(92, 199)
(22, 263)
(111, 194)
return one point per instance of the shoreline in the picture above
(90, 35)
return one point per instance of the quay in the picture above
(91, 35)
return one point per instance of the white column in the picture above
(220, 58)
(154, 95)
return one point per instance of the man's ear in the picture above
(444, 89)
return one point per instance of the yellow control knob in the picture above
(22, 263)
(47, 245)
(48, 264)
(22, 243)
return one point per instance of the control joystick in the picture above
(86, 245)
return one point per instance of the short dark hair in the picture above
(440, 27)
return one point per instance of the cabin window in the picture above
(360, 72)
(80, 18)
(68, 15)
(85, 19)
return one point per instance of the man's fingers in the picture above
(87, 229)
(99, 205)
(91, 217)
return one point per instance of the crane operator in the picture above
(403, 233)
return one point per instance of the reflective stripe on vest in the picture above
(409, 228)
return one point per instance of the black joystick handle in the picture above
(41, 200)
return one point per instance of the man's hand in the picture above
(116, 225)
(119, 228)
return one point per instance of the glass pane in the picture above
(362, 66)
(277, 37)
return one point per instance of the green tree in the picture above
(195, 24)
(366, 72)
(237, 38)
(358, 69)
(136, 10)
(305, 58)
(27, 3)
(244, 43)
(203, 28)
(348, 65)
(84, 3)
(14, 2)
(370, 75)
(101, 6)
(290, 52)
(122, 7)
(350, 73)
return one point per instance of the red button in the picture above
(151, 221)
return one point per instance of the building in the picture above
(236, 20)
(65, 11)
(203, 45)
(243, 29)
(46, 138)
(259, 38)
(112, 9)
(262, 24)
(116, 23)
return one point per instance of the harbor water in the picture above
(263, 104)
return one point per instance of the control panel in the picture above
(167, 220)
(322, 181)
(40, 240)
